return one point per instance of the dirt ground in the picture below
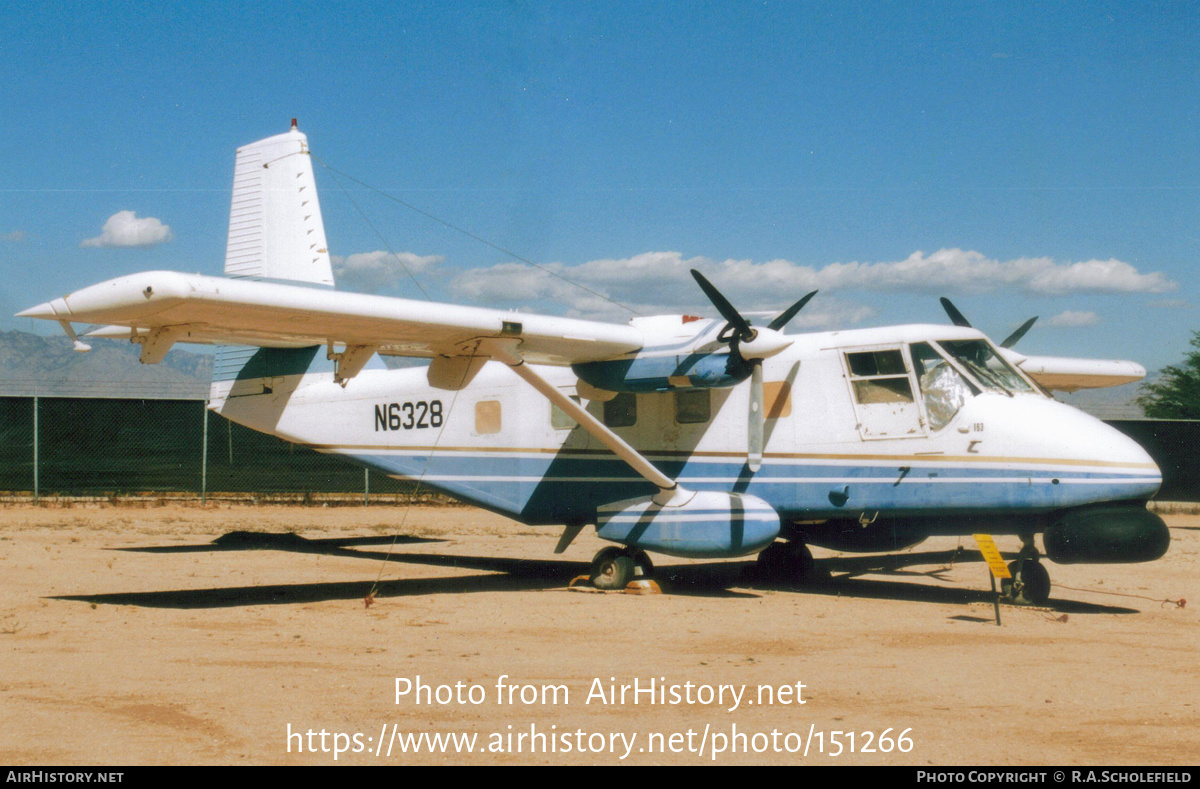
(182, 635)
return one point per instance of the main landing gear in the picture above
(1030, 583)
(614, 568)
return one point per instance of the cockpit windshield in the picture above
(987, 367)
(943, 388)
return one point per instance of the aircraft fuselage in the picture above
(853, 434)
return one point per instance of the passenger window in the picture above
(560, 419)
(487, 417)
(621, 411)
(692, 406)
(879, 377)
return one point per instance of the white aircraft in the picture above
(672, 434)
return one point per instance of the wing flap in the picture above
(218, 310)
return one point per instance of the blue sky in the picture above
(1023, 159)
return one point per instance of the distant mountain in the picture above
(50, 367)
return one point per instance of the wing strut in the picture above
(670, 491)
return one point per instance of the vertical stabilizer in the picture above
(275, 227)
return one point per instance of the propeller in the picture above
(958, 319)
(747, 348)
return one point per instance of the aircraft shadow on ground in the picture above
(838, 576)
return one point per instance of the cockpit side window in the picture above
(943, 388)
(879, 377)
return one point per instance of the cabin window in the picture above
(879, 377)
(560, 419)
(487, 417)
(692, 406)
(621, 411)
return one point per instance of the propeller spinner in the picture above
(749, 346)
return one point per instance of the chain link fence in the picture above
(53, 446)
(96, 447)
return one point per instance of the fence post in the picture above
(204, 458)
(35, 449)
(366, 486)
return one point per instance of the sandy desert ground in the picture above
(182, 635)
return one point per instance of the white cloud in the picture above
(1095, 276)
(1073, 319)
(125, 229)
(372, 272)
(661, 280)
(955, 271)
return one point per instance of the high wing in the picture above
(161, 307)
(1066, 374)
(278, 292)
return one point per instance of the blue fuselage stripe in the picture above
(549, 489)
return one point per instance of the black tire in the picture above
(612, 569)
(1029, 585)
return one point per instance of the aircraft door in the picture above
(881, 387)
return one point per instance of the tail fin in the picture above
(275, 227)
(275, 233)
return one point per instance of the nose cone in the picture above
(1088, 460)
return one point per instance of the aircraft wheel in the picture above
(1029, 585)
(612, 569)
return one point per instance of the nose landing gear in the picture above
(1030, 582)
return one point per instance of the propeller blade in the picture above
(956, 317)
(782, 318)
(731, 315)
(754, 427)
(960, 320)
(1012, 339)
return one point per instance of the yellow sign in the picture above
(991, 555)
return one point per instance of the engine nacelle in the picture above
(1107, 534)
(709, 525)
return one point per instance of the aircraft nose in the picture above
(1106, 453)
(1090, 461)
